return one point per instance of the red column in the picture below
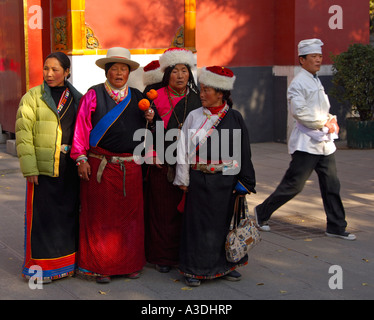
(37, 39)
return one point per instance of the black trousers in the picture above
(300, 169)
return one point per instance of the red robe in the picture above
(163, 220)
(111, 223)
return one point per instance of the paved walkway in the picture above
(292, 261)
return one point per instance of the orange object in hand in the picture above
(332, 125)
(144, 104)
(335, 124)
(152, 94)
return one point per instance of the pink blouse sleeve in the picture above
(83, 125)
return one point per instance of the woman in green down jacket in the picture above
(44, 132)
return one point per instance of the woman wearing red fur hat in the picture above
(176, 99)
(212, 170)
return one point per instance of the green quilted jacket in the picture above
(38, 131)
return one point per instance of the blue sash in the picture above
(106, 122)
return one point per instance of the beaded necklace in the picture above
(174, 93)
(63, 99)
(214, 110)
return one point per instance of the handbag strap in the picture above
(245, 209)
(239, 205)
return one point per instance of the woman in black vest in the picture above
(111, 221)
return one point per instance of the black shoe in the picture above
(192, 282)
(134, 275)
(233, 276)
(162, 268)
(102, 279)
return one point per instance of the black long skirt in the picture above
(208, 212)
(51, 223)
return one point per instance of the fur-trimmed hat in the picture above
(217, 77)
(118, 54)
(174, 56)
(152, 73)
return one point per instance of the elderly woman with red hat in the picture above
(111, 220)
(214, 165)
(176, 99)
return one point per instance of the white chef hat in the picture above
(309, 46)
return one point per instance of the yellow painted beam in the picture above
(76, 27)
(190, 24)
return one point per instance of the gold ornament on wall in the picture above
(91, 41)
(178, 40)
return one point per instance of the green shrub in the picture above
(353, 79)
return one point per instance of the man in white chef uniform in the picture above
(311, 145)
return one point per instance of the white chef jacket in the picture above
(309, 106)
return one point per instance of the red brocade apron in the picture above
(111, 221)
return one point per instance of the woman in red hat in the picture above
(176, 99)
(212, 169)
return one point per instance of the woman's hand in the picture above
(84, 171)
(183, 188)
(156, 162)
(149, 115)
(33, 179)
